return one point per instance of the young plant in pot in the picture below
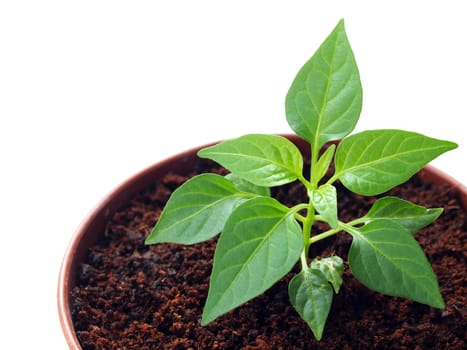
(261, 239)
(276, 202)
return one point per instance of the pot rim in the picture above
(115, 198)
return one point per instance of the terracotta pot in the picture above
(94, 224)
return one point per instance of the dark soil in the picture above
(132, 296)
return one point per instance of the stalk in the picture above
(310, 218)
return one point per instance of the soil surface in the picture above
(132, 296)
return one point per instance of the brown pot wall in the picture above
(94, 224)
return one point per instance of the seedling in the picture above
(262, 239)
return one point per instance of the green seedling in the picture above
(261, 239)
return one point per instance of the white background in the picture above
(93, 91)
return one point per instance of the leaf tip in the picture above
(318, 334)
(204, 322)
(440, 304)
(436, 212)
(452, 145)
(152, 238)
(202, 152)
(207, 318)
(340, 25)
(437, 300)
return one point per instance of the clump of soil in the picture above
(132, 296)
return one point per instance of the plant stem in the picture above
(307, 221)
(347, 228)
(310, 215)
(303, 261)
(324, 235)
(304, 181)
(310, 218)
(333, 179)
(341, 227)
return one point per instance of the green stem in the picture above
(309, 219)
(300, 218)
(298, 207)
(324, 235)
(310, 215)
(347, 227)
(340, 227)
(303, 261)
(333, 179)
(304, 181)
(357, 221)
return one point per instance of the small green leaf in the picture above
(311, 296)
(386, 258)
(260, 243)
(324, 200)
(264, 160)
(409, 215)
(332, 267)
(325, 99)
(323, 164)
(246, 186)
(372, 162)
(196, 211)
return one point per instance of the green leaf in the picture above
(260, 243)
(323, 164)
(324, 200)
(332, 267)
(385, 257)
(372, 162)
(246, 186)
(264, 160)
(196, 211)
(325, 99)
(311, 295)
(409, 215)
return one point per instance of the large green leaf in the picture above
(333, 268)
(247, 186)
(260, 243)
(324, 200)
(385, 257)
(264, 160)
(325, 99)
(196, 211)
(413, 217)
(311, 295)
(372, 162)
